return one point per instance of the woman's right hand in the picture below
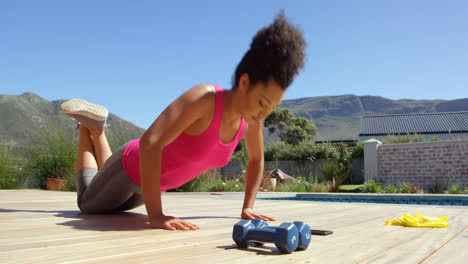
(172, 223)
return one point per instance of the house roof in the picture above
(428, 123)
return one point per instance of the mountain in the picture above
(23, 116)
(337, 117)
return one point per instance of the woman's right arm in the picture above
(177, 117)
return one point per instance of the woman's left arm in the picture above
(254, 143)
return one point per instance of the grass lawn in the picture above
(351, 187)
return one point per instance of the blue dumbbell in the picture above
(259, 223)
(303, 228)
(285, 236)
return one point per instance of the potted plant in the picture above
(57, 182)
(268, 182)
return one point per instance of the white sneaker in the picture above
(87, 114)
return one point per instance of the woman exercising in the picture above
(197, 132)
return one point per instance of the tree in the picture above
(290, 129)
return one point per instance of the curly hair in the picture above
(276, 51)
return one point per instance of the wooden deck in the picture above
(46, 227)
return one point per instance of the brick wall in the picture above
(424, 163)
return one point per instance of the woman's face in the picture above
(261, 98)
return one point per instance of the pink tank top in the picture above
(187, 156)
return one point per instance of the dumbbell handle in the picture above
(312, 231)
(271, 227)
(260, 234)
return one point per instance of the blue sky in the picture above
(136, 57)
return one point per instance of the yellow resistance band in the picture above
(418, 221)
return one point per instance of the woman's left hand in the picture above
(249, 214)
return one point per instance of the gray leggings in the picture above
(109, 189)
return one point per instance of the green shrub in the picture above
(304, 150)
(116, 139)
(212, 181)
(233, 185)
(240, 153)
(53, 155)
(454, 189)
(326, 151)
(372, 186)
(10, 174)
(418, 138)
(437, 187)
(344, 157)
(316, 186)
(406, 187)
(303, 185)
(334, 174)
(294, 186)
(403, 187)
(358, 151)
(391, 188)
(278, 151)
(203, 183)
(396, 139)
(407, 138)
(466, 190)
(435, 139)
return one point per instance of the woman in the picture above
(196, 132)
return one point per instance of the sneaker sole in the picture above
(81, 107)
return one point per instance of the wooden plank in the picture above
(201, 253)
(102, 249)
(452, 251)
(270, 254)
(345, 248)
(229, 239)
(415, 249)
(50, 231)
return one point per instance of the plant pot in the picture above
(269, 184)
(53, 184)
